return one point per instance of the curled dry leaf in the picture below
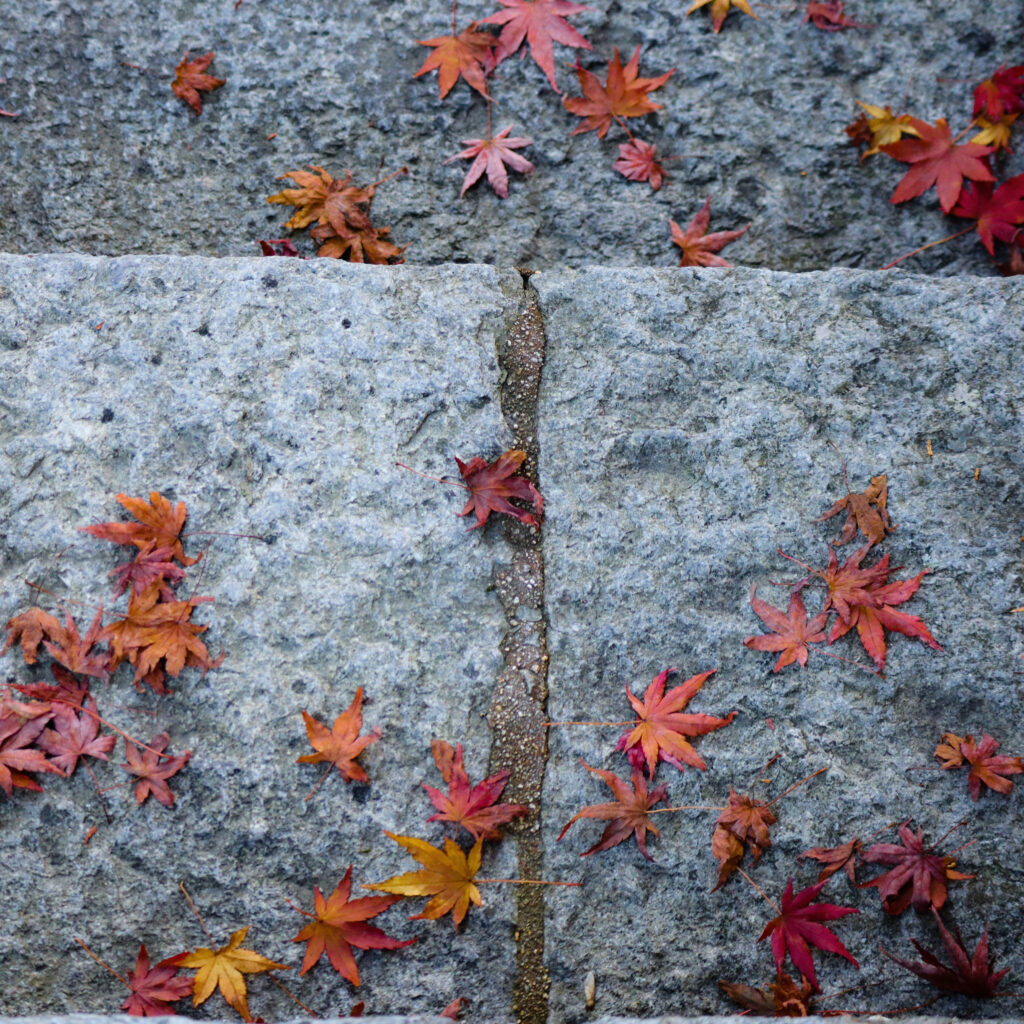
(699, 248)
(30, 628)
(828, 16)
(720, 10)
(844, 856)
(866, 512)
(744, 824)
(782, 997)
(159, 526)
(341, 744)
(878, 127)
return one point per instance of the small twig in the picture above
(548, 725)
(292, 997)
(525, 881)
(427, 476)
(320, 783)
(8, 113)
(796, 785)
(948, 238)
(760, 890)
(686, 807)
(148, 71)
(99, 792)
(102, 963)
(199, 917)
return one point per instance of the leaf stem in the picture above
(775, 906)
(99, 792)
(102, 963)
(8, 113)
(686, 807)
(525, 881)
(427, 476)
(796, 785)
(948, 238)
(320, 783)
(292, 997)
(199, 917)
(299, 909)
(548, 725)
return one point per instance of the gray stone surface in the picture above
(104, 159)
(685, 428)
(274, 399)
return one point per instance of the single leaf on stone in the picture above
(153, 768)
(828, 16)
(699, 248)
(447, 877)
(744, 824)
(190, 79)
(878, 127)
(454, 1008)
(1001, 94)
(316, 192)
(469, 54)
(491, 484)
(970, 974)
(225, 968)
(638, 162)
(720, 10)
(155, 988)
(782, 998)
(791, 632)
(995, 133)
(73, 738)
(472, 807)
(627, 816)
(937, 160)
(159, 525)
(661, 730)
(844, 856)
(491, 155)
(865, 512)
(999, 214)
(622, 95)
(341, 744)
(800, 926)
(30, 628)
(541, 23)
(339, 923)
(986, 766)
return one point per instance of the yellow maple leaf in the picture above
(995, 133)
(224, 968)
(886, 127)
(721, 8)
(447, 876)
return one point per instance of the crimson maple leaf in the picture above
(469, 54)
(799, 926)
(75, 737)
(159, 525)
(986, 765)
(970, 975)
(341, 744)
(660, 731)
(190, 80)
(743, 823)
(835, 857)
(626, 816)
(472, 807)
(339, 923)
(700, 248)
(542, 24)
(18, 756)
(849, 584)
(153, 768)
(622, 95)
(492, 484)
(791, 632)
(998, 213)
(936, 159)
(149, 565)
(915, 876)
(491, 154)
(155, 988)
(637, 162)
(828, 16)
(1001, 94)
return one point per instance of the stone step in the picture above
(684, 426)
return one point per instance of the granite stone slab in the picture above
(687, 423)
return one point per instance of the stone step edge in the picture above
(466, 1016)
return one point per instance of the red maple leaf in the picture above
(626, 816)
(622, 95)
(492, 484)
(542, 24)
(472, 807)
(18, 756)
(339, 923)
(149, 565)
(278, 247)
(75, 737)
(1001, 94)
(637, 162)
(75, 652)
(936, 159)
(998, 213)
(491, 154)
(791, 632)
(744, 823)
(970, 975)
(190, 80)
(986, 765)
(915, 876)
(341, 744)
(469, 54)
(828, 16)
(661, 730)
(159, 525)
(835, 857)
(155, 988)
(799, 926)
(700, 248)
(153, 768)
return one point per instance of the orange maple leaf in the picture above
(75, 652)
(866, 512)
(30, 627)
(153, 768)
(190, 80)
(700, 248)
(743, 824)
(341, 744)
(469, 54)
(159, 526)
(720, 9)
(986, 765)
(791, 632)
(622, 95)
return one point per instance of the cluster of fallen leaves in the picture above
(962, 173)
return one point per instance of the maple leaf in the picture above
(660, 731)
(30, 628)
(369, 245)
(699, 248)
(74, 651)
(720, 10)
(970, 975)
(153, 768)
(622, 95)
(310, 199)
(915, 875)
(75, 737)
(879, 126)
(986, 765)
(744, 823)
(998, 213)
(835, 857)
(541, 23)
(866, 512)
(791, 632)
(849, 584)
(18, 756)
(828, 16)
(278, 247)
(491, 154)
(782, 998)
(190, 80)
(447, 876)
(469, 54)
(341, 744)
(69, 689)
(159, 526)
(1015, 264)
(995, 133)
(936, 159)
(491, 484)
(149, 565)
(452, 1010)
(155, 988)
(340, 923)
(1001, 94)
(799, 926)
(626, 816)
(472, 807)
(224, 969)
(637, 162)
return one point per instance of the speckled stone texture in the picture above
(104, 159)
(274, 398)
(687, 422)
